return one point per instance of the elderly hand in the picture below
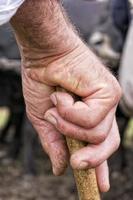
(91, 119)
(50, 60)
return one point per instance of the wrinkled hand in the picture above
(53, 55)
(91, 119)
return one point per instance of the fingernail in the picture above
(53, 99)
(83, 165)
(50, 118)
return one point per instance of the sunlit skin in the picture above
(54, 55)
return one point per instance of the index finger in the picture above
(86, 114)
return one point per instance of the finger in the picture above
(102, 174)
(99, 107)
(53, 143)
(93, 155)
(94, 135)
(98, 88)
(81, 68)
(79, 112)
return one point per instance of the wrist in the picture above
(42, 28)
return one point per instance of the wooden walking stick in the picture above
(85, 179)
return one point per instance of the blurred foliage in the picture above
(128, 140)
(4, 114)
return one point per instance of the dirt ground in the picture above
(121, 181)
(14, 185)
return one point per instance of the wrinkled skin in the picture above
(63, 60)
(92, 119)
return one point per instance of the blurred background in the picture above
(25, 170)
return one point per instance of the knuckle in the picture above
(93, 162)
(64, 113)
(77, 134)
(66, 130)
(118, 94)
(61, 127)
(112, 90)
(99, 137)
(93, 121)
(116, 91)
(90, 122)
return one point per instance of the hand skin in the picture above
(54, 55)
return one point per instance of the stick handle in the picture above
(85, 179)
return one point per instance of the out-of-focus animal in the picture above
(8, 45)
(121, 15)
(85, 15)
(23, 135)
(93, 21)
